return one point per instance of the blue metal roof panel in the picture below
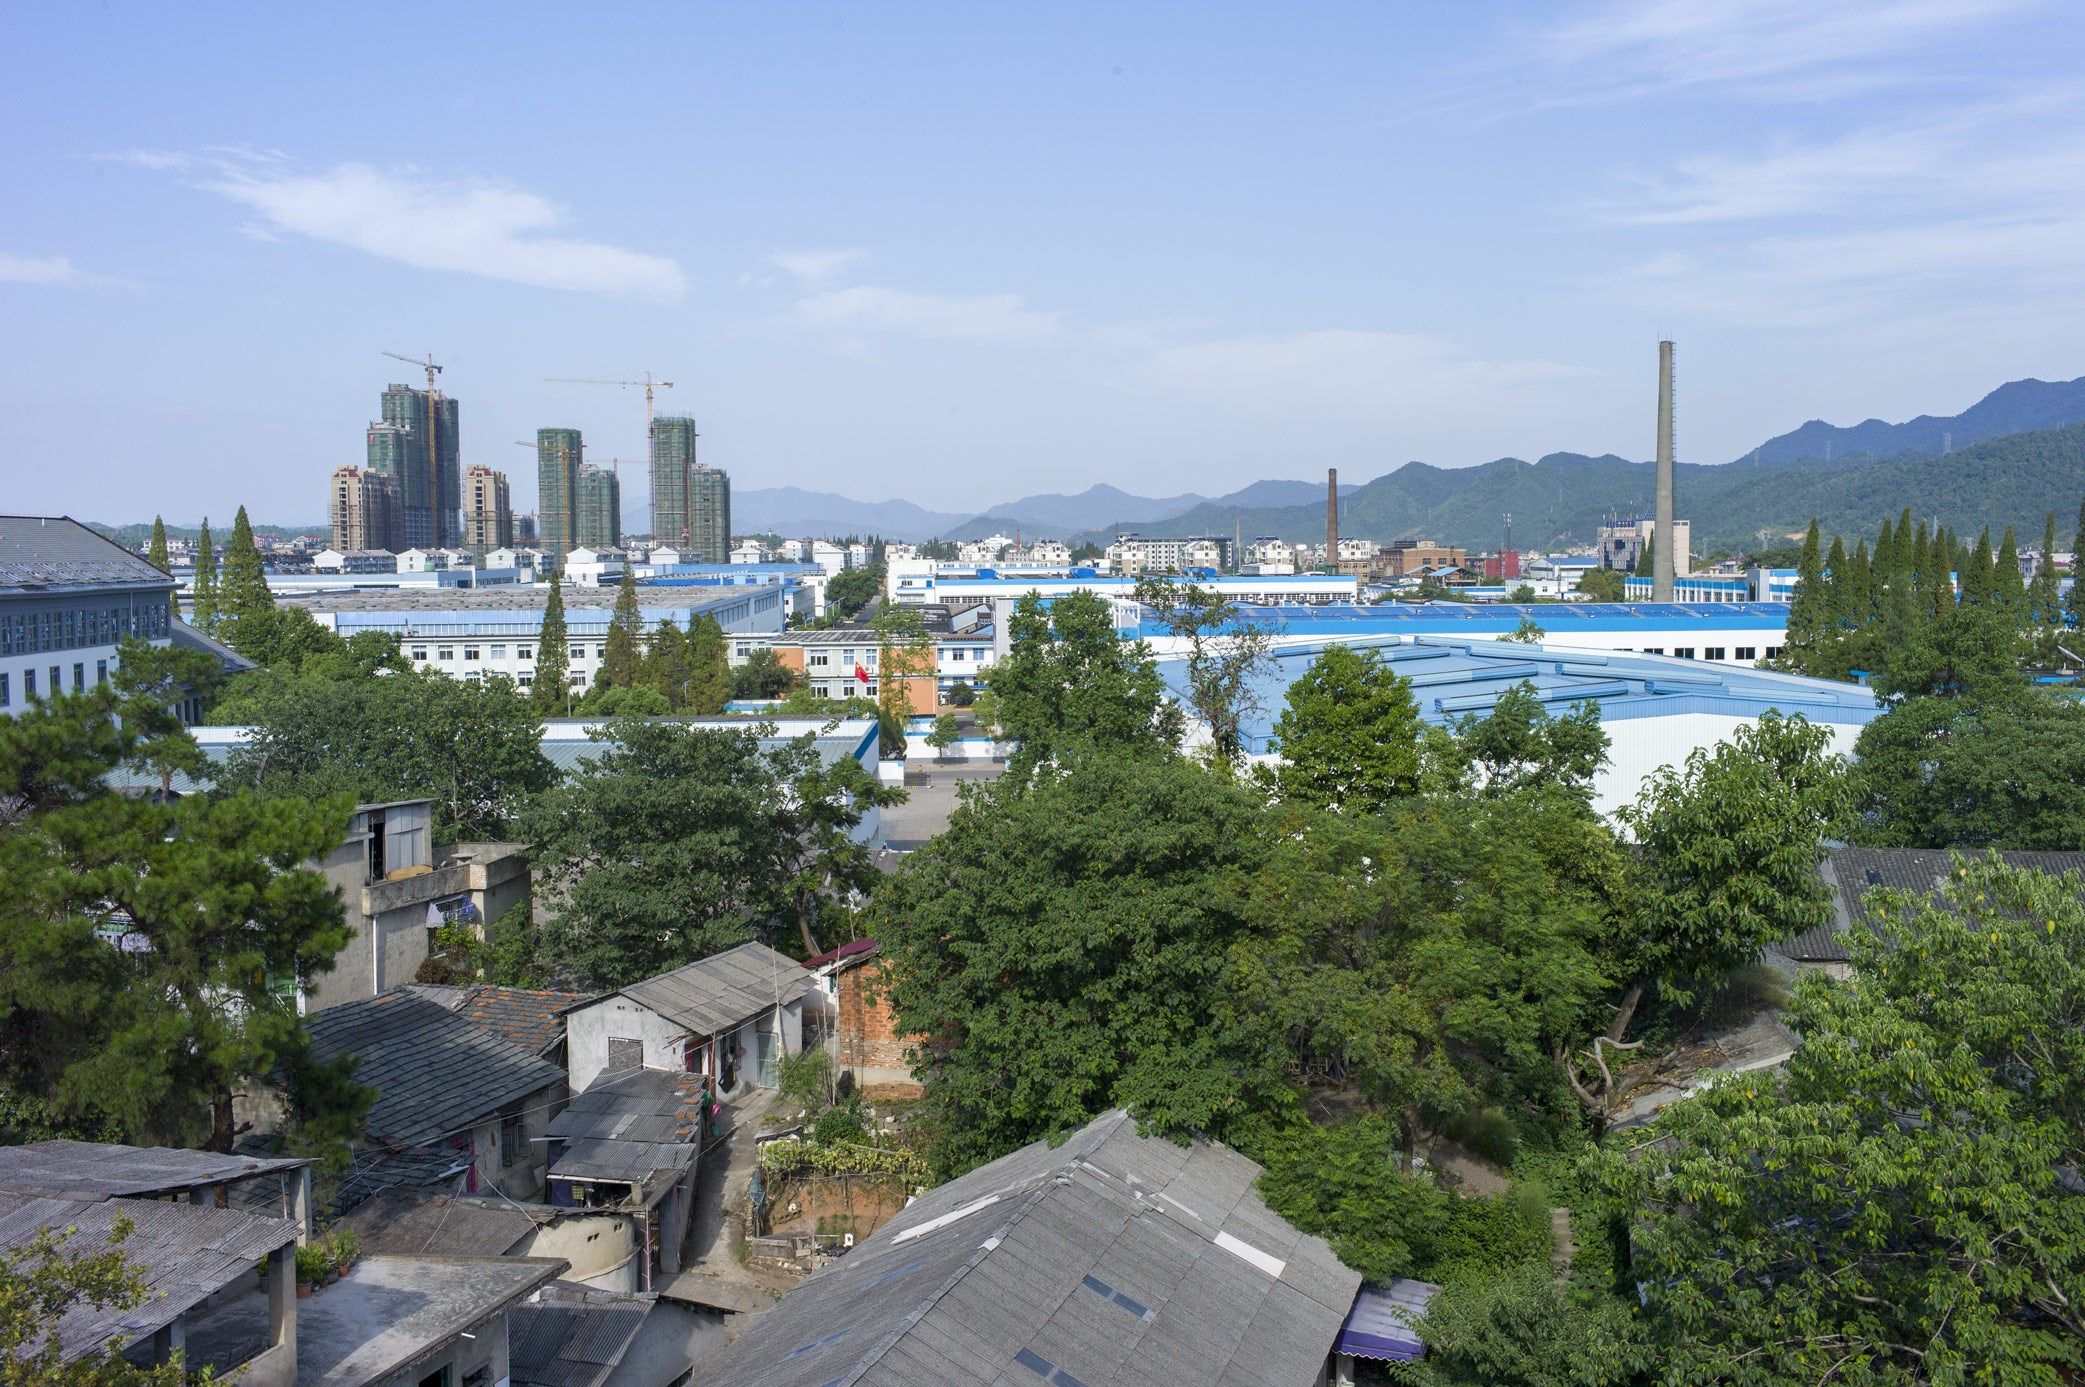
(1384, 1321)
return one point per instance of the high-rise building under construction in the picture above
(421, 453)
(488, 513)
(600, 518)
(364, 510)
(558, 457)
(691, 504)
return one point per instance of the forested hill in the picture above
(2011, 480)
(2018, 406)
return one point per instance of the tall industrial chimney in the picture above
(1332, 520)
(1663, 562)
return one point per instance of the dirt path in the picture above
(719, 1224)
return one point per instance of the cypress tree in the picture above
(623, 652)
(204, 603)
(2074, 600)
(1885, 558)
(157, 557)
(1838, 587)
(1979, 579)
(243, 588)
(550, 693)
(1942, 563)
(1809, 611)
(1860, 574)
(2044, 608)
(709, 666)
(666, 666)
(157, 554)
(2008, 591)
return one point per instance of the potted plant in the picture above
(311, 1269)
(345, 1246)
(332, 1266)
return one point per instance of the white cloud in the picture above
(2023, 153)
(30, 269)
(1792, 48)
(980, 317)
(471, 227)
(815, 266)
(1351, 374)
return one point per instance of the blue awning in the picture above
(1384, 1322)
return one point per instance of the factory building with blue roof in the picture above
(1656, 709)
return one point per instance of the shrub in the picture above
(841, 1124)
(312, 1263)
(805, 1079)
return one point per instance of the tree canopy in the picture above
(1069, 687)
(1349, 735)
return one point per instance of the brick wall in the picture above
(867, 1042)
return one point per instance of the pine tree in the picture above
(243, 588)
(205, 582)
(2008, 592)
(1900, 605)
(624, 651)
(1809, 611)
(550, 693)
(1885, 557)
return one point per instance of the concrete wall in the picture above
(488, 1350)
(389, 918)
(602, 1248)
(589, 1029)
(1639, 746)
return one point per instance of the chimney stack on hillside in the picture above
(1332, 519)
(1663, 562)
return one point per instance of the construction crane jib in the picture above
(649, 383)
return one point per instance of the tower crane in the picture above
(648, 383)
(612, 462)
(427, 366)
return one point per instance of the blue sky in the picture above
(965, 253)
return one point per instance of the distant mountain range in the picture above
(1561, 498)
(2008, 459)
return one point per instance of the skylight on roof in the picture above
(1110, 1294)
(936, 1224)
(1045, 1369)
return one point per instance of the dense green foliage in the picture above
(1226, 656)
(474, 747)
(1069, 688)
(850, 590)
(550, 693)
(676, 842)
(148, 949)
(1894, 1206)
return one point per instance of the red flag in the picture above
(861, 674)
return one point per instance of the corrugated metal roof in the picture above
(1384, 1323)
(1453, 677)
(717, 993)
(560, 1344)
(185, 1253)
(436, 1073)
(989, 1276)
(100, 1170)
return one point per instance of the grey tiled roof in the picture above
(1112, 1259)
(58, 554)
(1853, 872)
(716, 993)
(99, 1170)
(572, 1343)
(436, 1073)
(414, 1223)
(184, 1252)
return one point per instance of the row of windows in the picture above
(1715, 652)
(499, 652)
(33, 633)
(55, 684)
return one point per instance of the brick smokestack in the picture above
(1663, 561)
(1332, 520)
